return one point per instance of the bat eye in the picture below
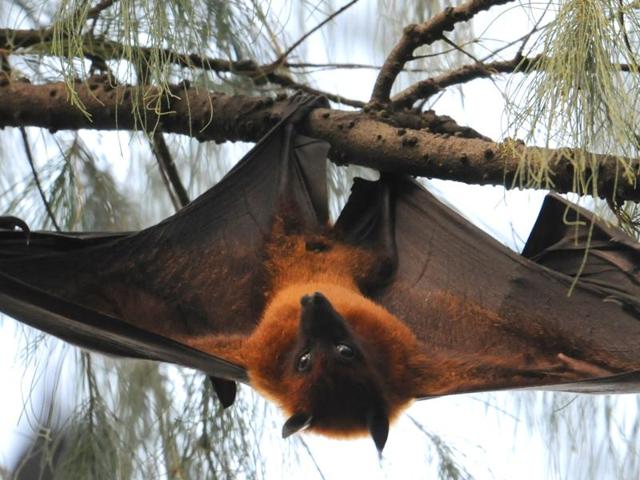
(304, 362)
(344, 350)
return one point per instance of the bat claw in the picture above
(581, 366)
(225, 390)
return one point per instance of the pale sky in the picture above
(488, 432)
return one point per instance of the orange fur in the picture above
(389, 348)
(394, 369)
(387, 342)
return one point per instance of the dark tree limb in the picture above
(169, 171)
(36, 178)
(372, 139)
(416, 35)
(365, 141)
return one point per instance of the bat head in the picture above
(337, 363)
(340, 389)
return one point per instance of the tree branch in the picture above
(103, 49)
(416, 35)
(12, 39)
(360, 138)
(288, 82)
(169, 171)
(36, 179)
(99, 8)
(358, 66)
(427, 88)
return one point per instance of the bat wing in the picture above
(569, 239)
(507, 320)
(199, 272)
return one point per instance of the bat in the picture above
(342, 326)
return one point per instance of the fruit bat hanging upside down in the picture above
(341, 326)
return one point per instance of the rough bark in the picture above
(413, 143)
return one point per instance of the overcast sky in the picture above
(489, 433)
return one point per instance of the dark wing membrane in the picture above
(198, 272)
(95, 330)
(570, 240)
(14, 244)
(465, 295)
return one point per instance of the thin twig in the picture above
(313, 458)
(522, 40)
(168, 171)
(168, 168)
(535, 29)
(36, 179)
(429, 87)
(206, 441)
(623, 27)
(167, 184)
(416, 35)
(286, 81)
(297, 43)
(455, 46)
(95, 12)
(364, 66)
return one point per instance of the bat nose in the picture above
(319, 318)
(315, 298)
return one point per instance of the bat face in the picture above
(333, 360)
(342, 391)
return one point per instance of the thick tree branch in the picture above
(365, 141)
(364, 138)
(416, 35)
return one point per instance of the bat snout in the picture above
(319, 319)
(313, 299)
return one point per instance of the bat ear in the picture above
(378, 424)
(296, 423)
